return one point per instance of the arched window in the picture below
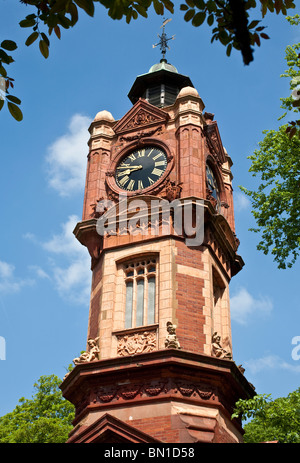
(140, 281)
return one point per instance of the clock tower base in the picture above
(165, 396)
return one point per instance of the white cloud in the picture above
(65, 242)
(270, 362)
(67, 157)
(6, 270)
(70, 264)
(39, 272)
(241, 201)
(9, 282)
(244, 305)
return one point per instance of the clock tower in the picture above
(158, 222)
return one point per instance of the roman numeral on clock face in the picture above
(130, 185)
(124, 180)
(157, 172)
(141, 154)
(160, 163)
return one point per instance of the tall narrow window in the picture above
(140, 303)
(151, 300)
(140, 281)
(129, 301)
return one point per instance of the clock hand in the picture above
(133, 168)
(128, 171)
(130, 167)
(124, 166)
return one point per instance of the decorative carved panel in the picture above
(140, 115)
(136, 343)
(155, 388)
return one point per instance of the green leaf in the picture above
(141, 10)
(45, 38)
(1, 103)
(169, 5)
(74, 14)
(184, 7)
(87, 6)
(223, 37)
(253, 24)
(189, 15)
(15, 111)
(158, 7)
(198, 19)
(210, 20)
(7, 59)
(64, 21)
(200, 4)
(13, 99)
(44, 49)
(228, 49)
(211, 6)
(9, 45)
(27, 23)
(3, 72)
(32, 37)
(57, 32)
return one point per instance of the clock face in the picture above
(141, 169)
(212, 185)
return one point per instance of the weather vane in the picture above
(163, 43)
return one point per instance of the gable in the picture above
(109, 429)
(214, 141)
(140, 115)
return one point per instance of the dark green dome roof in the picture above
(160, 85)
(163, 65)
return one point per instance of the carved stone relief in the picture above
(136, 343)
(217, 349)
(155, 388)
(141, 118)
(142, 134)
(91, 355)
(171, 341)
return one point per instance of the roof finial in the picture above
(164, 39)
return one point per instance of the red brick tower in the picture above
(159, 365)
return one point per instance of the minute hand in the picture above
(130, 167)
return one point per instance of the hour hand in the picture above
(132, 168)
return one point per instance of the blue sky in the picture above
(44, 271)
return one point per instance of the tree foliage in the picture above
(272, 420)
(292, 102)
(276, 202)
(46, 418)
(229, 19)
